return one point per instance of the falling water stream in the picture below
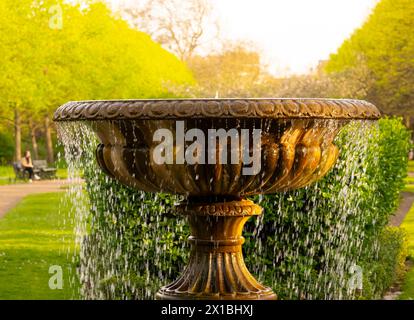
(306, 245)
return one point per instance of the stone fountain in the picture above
(217, 152)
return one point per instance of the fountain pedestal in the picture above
(216, 269)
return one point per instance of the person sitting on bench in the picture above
(27, 165)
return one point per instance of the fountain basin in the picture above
(296, 142)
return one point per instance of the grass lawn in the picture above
(6, 175)
(62, 173)
(33, 238)
(408, 286)
(409, 187)
(411, 165)
(409, 180)
(408, 225)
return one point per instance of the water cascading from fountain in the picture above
(129, 247)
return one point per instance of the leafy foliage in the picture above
(93, 56)
(234, 72)
(6, 147)
(386, 44)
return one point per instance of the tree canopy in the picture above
(236, 71)
(385, 44)
(87, 53)
(93, 56)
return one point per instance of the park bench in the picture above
(40, 168)
(18, 171)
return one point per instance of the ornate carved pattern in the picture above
(294, 155)
(216, 276)
(217, 108)
(232, 208)
(216, 269)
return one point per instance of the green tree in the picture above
(236, 71)
(92, 55)
(385, 43)
(16, 83)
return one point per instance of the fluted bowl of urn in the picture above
(217, 153)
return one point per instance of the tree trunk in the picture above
(17, 135)
(408, 121)
(34, 140)
(49, 143)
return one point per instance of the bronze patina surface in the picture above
(217, 108)
(296, 148)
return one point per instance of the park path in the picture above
(11, 195)
(407, 201)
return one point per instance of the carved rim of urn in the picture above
(270, 108)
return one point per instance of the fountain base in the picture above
(216, 269)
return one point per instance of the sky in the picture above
(292, 35)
